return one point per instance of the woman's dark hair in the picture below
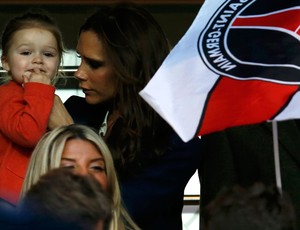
(136, 46)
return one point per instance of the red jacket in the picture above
(24, 114)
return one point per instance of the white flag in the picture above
(238, 63)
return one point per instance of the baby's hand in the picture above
(36, 75)
(26, 76)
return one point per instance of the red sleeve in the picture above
(25, 111)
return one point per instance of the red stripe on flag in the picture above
(288, 19)
(226, 105)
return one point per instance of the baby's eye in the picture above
(25, 53)
(78, 55)
(49, 54)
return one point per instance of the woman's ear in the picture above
(5, 64)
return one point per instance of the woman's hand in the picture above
(59, 115)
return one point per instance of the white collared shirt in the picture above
(103, 127)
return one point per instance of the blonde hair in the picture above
(47, 155)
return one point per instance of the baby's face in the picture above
(32, 51)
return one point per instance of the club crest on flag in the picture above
(242, 42)
(238, 64)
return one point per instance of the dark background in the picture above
(174, 18)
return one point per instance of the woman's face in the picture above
(84, 158)
(95, 73)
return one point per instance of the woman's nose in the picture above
(81, 171)
(80, 74)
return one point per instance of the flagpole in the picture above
(276, 155)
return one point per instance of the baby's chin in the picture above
(19, 80)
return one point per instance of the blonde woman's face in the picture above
(84, 158)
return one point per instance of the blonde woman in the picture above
(79, 148)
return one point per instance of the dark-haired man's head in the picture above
(255, 208)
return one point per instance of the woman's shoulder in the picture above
(75, 101)
(84, 113)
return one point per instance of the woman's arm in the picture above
(59, 115)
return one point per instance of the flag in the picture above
(238, 64)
